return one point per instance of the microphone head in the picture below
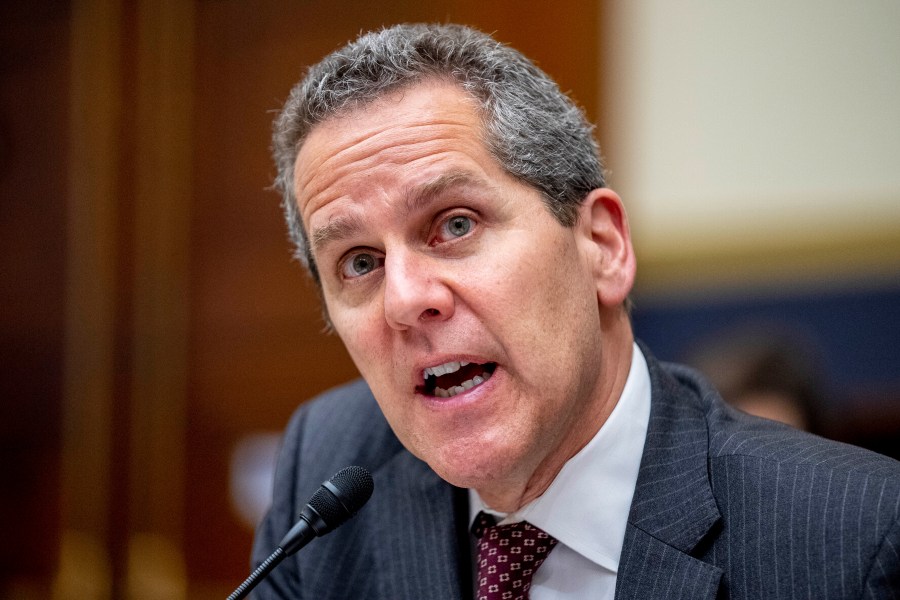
(354, 487)
(342, 496)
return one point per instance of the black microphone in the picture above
(331, 506)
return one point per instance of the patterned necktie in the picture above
(508, 556)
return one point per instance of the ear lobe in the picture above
(604, 230)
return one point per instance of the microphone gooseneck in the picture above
(336, 501)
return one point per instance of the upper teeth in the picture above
(450, 367)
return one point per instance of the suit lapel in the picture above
(673, 507)
(422, 554)
(651, 568)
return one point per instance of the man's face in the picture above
(433, 259)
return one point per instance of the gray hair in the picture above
(536, 133)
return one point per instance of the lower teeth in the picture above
(466, 385)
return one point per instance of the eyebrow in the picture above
(420, 197)
(339, 228)
(347, 226)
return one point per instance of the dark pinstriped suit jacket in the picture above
(726, 506)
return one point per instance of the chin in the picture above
(475, 465)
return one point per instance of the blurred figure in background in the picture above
(767, 371)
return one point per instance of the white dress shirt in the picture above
(586, 507)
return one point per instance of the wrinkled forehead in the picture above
(400, 127)
(346, 109)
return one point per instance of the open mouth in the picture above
(452, 378)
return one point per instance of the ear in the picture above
(605, 239)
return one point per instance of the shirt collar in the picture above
(586, 507)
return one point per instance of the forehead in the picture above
(405, 135)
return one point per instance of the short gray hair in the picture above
(536, 133)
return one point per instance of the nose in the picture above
(414, 291)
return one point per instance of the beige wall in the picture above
(756, 138)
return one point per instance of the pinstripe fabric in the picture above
(409, 541)
(775, 512)
(726, 506)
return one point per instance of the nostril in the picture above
(430, 312)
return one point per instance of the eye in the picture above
(359, 264)
(456, 226)
(459, 226)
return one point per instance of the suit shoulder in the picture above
(352, 401)
(734, 433)
(342, 426)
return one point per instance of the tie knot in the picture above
(482, 521)
(508, 556)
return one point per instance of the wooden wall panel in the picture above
(152, 317)
(33, 83)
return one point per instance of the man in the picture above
(449, 201)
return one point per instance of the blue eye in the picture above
(360, 264)
(458, 226)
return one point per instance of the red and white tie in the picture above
(508, 556)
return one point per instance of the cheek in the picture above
(541, 278)
(550, 312)
(364, 340)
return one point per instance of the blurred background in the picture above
(155, 335)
